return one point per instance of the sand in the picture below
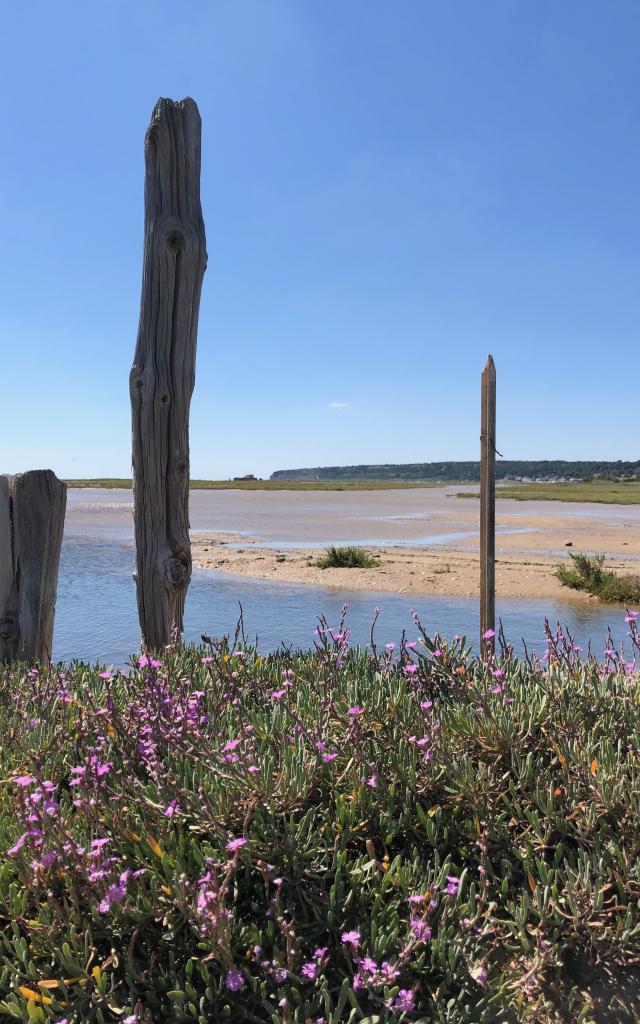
(525, 560)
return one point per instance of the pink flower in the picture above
(277, 694)
(368, 965)
(631, 616)
(497, 673)
(105, 675)
(437, 653)
(426, 704)
(351, 939)
(488, 634)
(171, 809)
(235, 844)
(479, 973)
(390, 647)
(207, 660)
(355, 711)
(372, 781)
(146, 661)
(24, 780)
(310, 970)
(410, 669)
(327, 758)
(453, 885)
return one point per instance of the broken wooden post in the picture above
(32, 508)
(163, 373)
(488, 508)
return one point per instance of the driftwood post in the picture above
(32, 508)
(488, 507)
(163, 373)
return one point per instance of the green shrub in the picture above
(346, 558)
(588, 573)
(338, 835)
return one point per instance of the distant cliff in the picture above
(470, 471)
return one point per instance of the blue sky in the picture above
(390, 191)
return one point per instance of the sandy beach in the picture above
(529, 544)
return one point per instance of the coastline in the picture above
(525, 560)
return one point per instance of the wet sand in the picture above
(529, 545)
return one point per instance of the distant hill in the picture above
(506, 469)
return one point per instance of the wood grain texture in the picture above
(163, 373)
(32, 509)
(488, 506)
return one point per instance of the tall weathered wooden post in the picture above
(488, 507)
(32, 508)
(163, 373)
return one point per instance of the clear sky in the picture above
(390, 191)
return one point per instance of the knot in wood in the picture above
(176, 574)
(9, 629)
(175, 240)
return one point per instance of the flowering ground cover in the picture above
(403, 834)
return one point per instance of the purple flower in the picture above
(497, 673)
(310, 970)
(420, 929)
(404, 1001)
(234, 980)
(18, 845)
(453, 884)
(235, 844)
(355, 711)
(372, 781)
(171, 809)
(410, 669)
(277, 694)
(327, 758)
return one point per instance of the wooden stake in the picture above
(32, 508)
(163, 374)
(488, 507)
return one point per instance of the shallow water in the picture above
(97, 617)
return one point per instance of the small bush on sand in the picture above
(588, 574)
(346, 558)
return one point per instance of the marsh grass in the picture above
(125, 483)
(606, 492)
(346, 558)
(587, 572)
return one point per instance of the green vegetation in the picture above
(606, 492)
(407, 836)
(587, 573)
(346, 558)
(264, 485)
(454, 472)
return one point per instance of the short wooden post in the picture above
(32, 508)
(488, 508)
(163, 373)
